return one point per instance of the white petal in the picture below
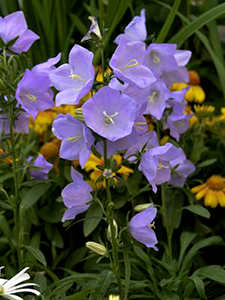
(25, 291)
(21, 276)
(13, 297)
(9, 290)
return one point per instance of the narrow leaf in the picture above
(37, 254)
(215, 273)
(199, 284)
(102, 284)
(185, 240)
(34, 194)
(92, 219)
(198, 210)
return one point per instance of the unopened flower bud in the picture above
(94, 33)
(142, 207)
(109, 235)
(97, 248)
(114, 297)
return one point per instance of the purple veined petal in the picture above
(44, 166)
(47, 66)
(77, 193)
(112, 119)
(71, 150)
(154, 187)
(13, 25)
(62, 79)
(163, 173)
(135, 30)
(127, 64)
(32, 81)
(182, 57)
(73, 211)
(24, 42)
(166, 152)
(144, 218)
(68, 96)
(179, 159)
(166, 49)
(145, 235)
(84, 156)
(148, 165)
(179, 75)
(67, 126)
(80, 59)
(140, 229)
(76, 175)
(116, 85)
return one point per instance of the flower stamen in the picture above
(73, 139)
(132, 63)
(152, 97)
(109, 118)
(31, 97)
(76, 76)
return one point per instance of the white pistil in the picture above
(31, 97)
(152, 97)
(108, 173)
(152, 225)
(73, 139)
(76, 76)
(132, 63)
(161, 166)
(156, 59)
(109, 118)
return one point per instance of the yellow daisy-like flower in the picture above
(94, 161)
(204, 111)
(195, 92)
(213, 191)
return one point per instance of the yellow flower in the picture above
(195, 93)
(114, 297)
(204, 111)
(213, 191)
(94, 161)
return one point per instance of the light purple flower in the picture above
(33, 93)
(74, 80)
(140, 227)
(14, 25)
(155, 164)
(76, 138)
(135, 30)
(160, 58)
(181, 169)
(76, 196)
(127, 64)
(43, 164)
(110, 114)
(45, 68)
(20, 125)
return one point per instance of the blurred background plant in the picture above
(55, 252)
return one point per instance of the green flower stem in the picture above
(109, 210)
(16, 185)
(165, 217)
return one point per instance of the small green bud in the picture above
(109, 235)
(97, 248)
(142, 207)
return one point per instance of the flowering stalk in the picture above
(165, 217)
(116, 267)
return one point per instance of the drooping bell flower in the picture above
(76, 138)
(135, 30)
(74, 80)
(127, 64)
(155, 164)
(15, 26)
(43, 165)
(141, 227)
(33, 93)
(110, 114)
(76, 196)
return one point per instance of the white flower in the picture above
(10, 287)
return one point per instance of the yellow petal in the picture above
(221, 198)
(199, 94)
(201, 194)
(198, 188)
(211, 199)
(189, 95)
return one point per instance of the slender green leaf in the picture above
(199, 284)
(218, 65)
(37, 254)
(215, 273)
(34, 194)
(92, 219)
(214, 240)
(198, 210)
(82, 295)
(196, 24)
(207, 163)
(102, 284)
(168, 23)
(185, 239)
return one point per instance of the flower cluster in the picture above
(114, 116)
